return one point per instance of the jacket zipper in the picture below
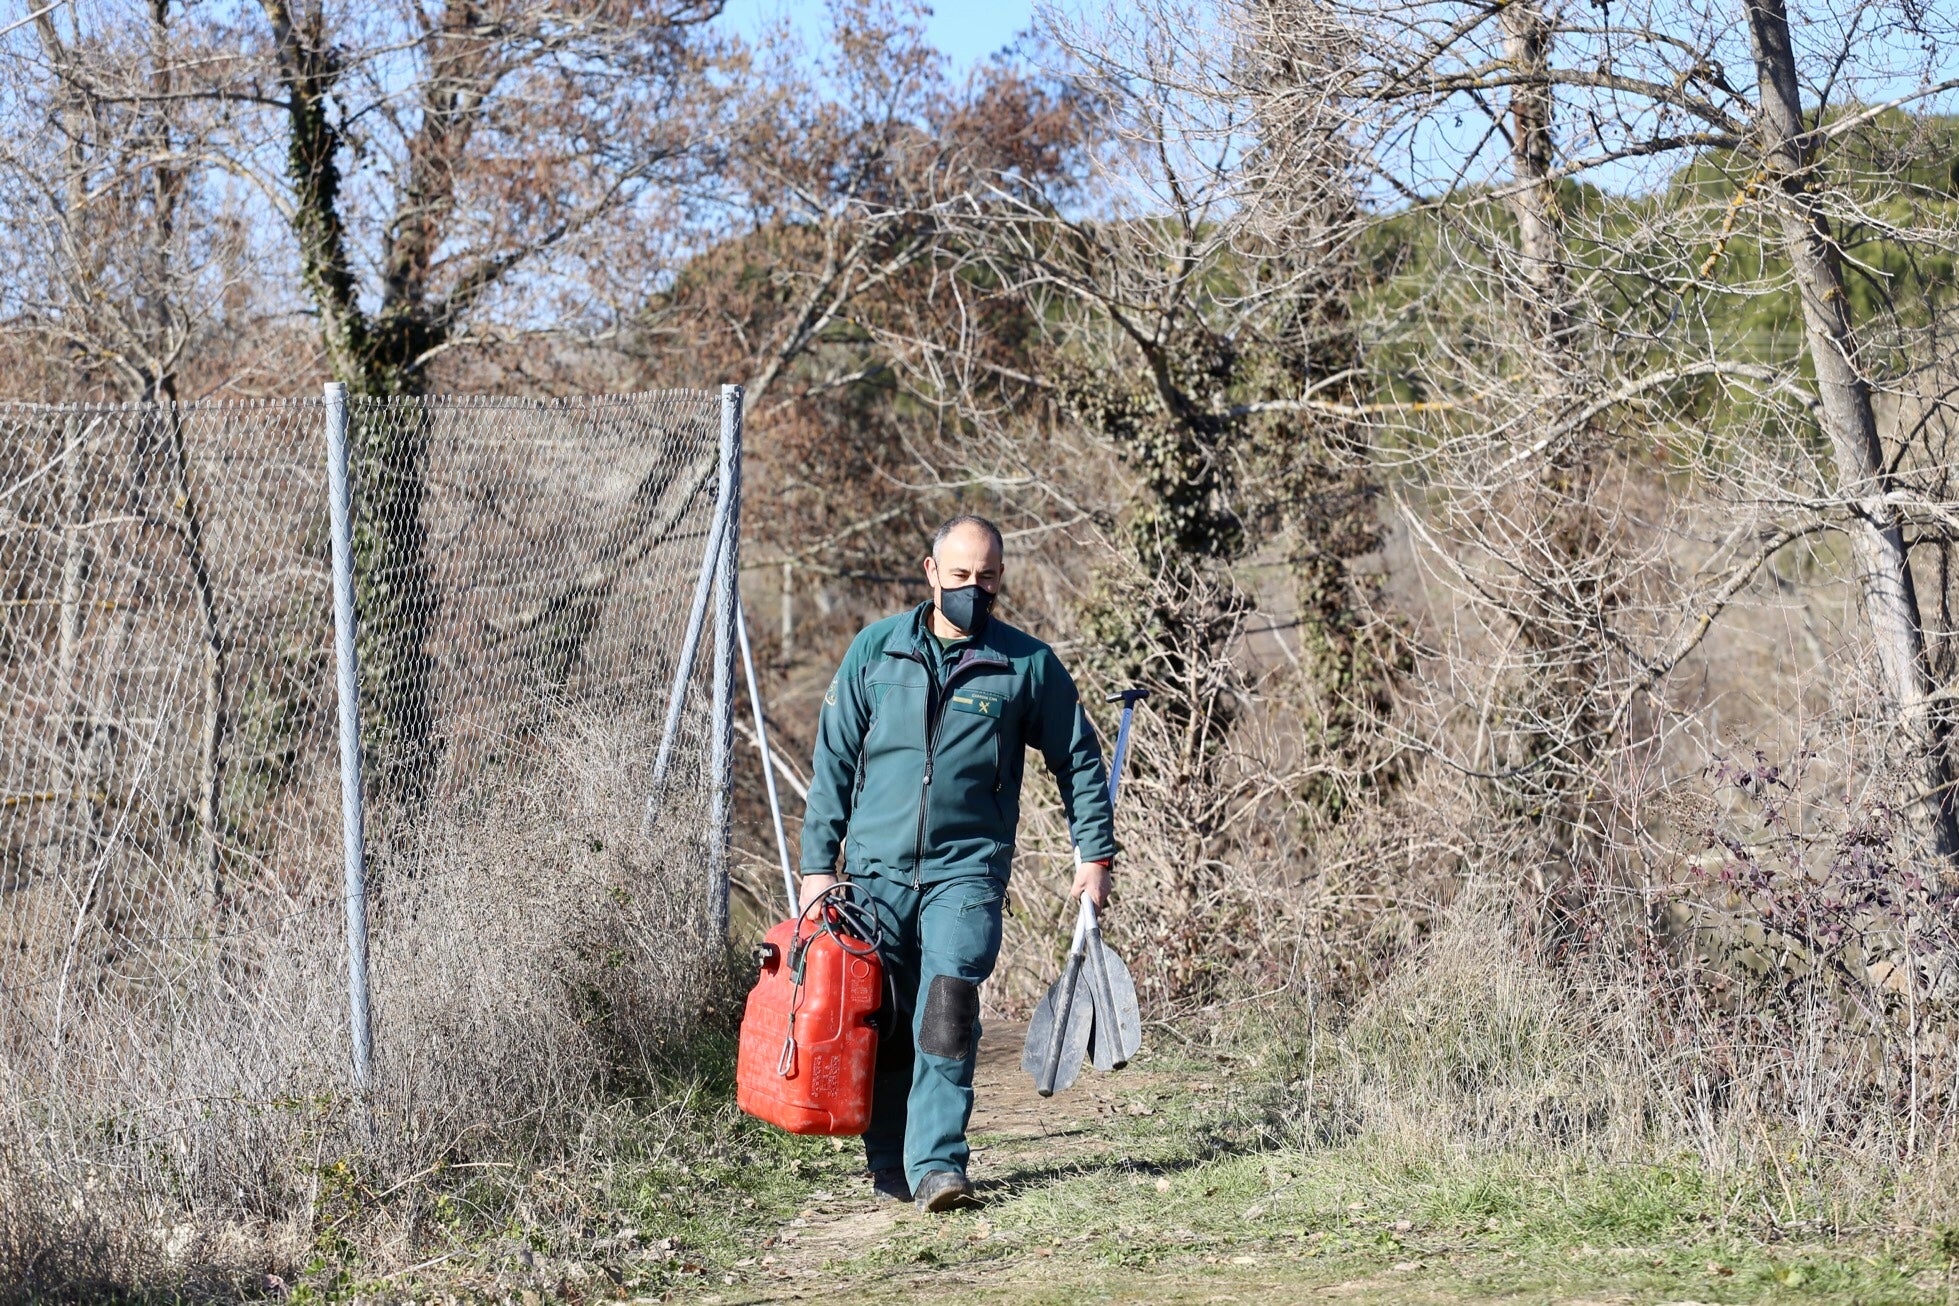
(936, 698)
(925, 784)
(932, 714)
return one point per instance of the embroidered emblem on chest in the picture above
(978, 702)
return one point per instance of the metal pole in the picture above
(768, 762)
(721, 737)
(1129, 698)
(352, 837)
(690, 644)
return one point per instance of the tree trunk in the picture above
(161, 389)
(74, 580)
(395, 600)
(214, 725)
(1560, 525)
(1540, 228)
(1890, 599)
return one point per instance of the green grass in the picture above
(1472, 1227)
(1206, 1196)
(1196, 1200)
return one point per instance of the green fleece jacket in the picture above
(921, 749)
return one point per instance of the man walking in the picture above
(919, 757)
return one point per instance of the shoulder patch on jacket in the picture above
(830, 694)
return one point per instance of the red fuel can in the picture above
(809, 1034)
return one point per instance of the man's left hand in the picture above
(1095, 880)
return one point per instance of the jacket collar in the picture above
(925, 645)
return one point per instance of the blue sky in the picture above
(967, 30)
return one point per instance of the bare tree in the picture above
(846, 161)
(1115, 356)
(517, 144)
(120, 280)
(1559, 254)
(1786, 147)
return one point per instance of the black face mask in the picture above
(966, 607)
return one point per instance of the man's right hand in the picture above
(812, 886)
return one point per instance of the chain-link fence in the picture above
(171, 814)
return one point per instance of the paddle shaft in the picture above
(1098, 966)
(1064, 1007)
(1090, 918)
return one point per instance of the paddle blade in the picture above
(1117, 1034)
(1074, 1040)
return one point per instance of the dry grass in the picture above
(534, 962)
(1468, 1043)
(1699, 1051)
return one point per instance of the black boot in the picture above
(890, 1185)
(945, 1190)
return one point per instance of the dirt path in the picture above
(1021, 1140)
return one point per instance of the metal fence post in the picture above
(352, 835)
(768, 761)
(683, 672)
(721, 760)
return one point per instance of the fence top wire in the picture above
(535, 403)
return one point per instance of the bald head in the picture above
(965, 551)
(965, 521)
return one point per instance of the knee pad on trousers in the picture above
(951, 1011)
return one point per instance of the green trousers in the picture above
(940, 942)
